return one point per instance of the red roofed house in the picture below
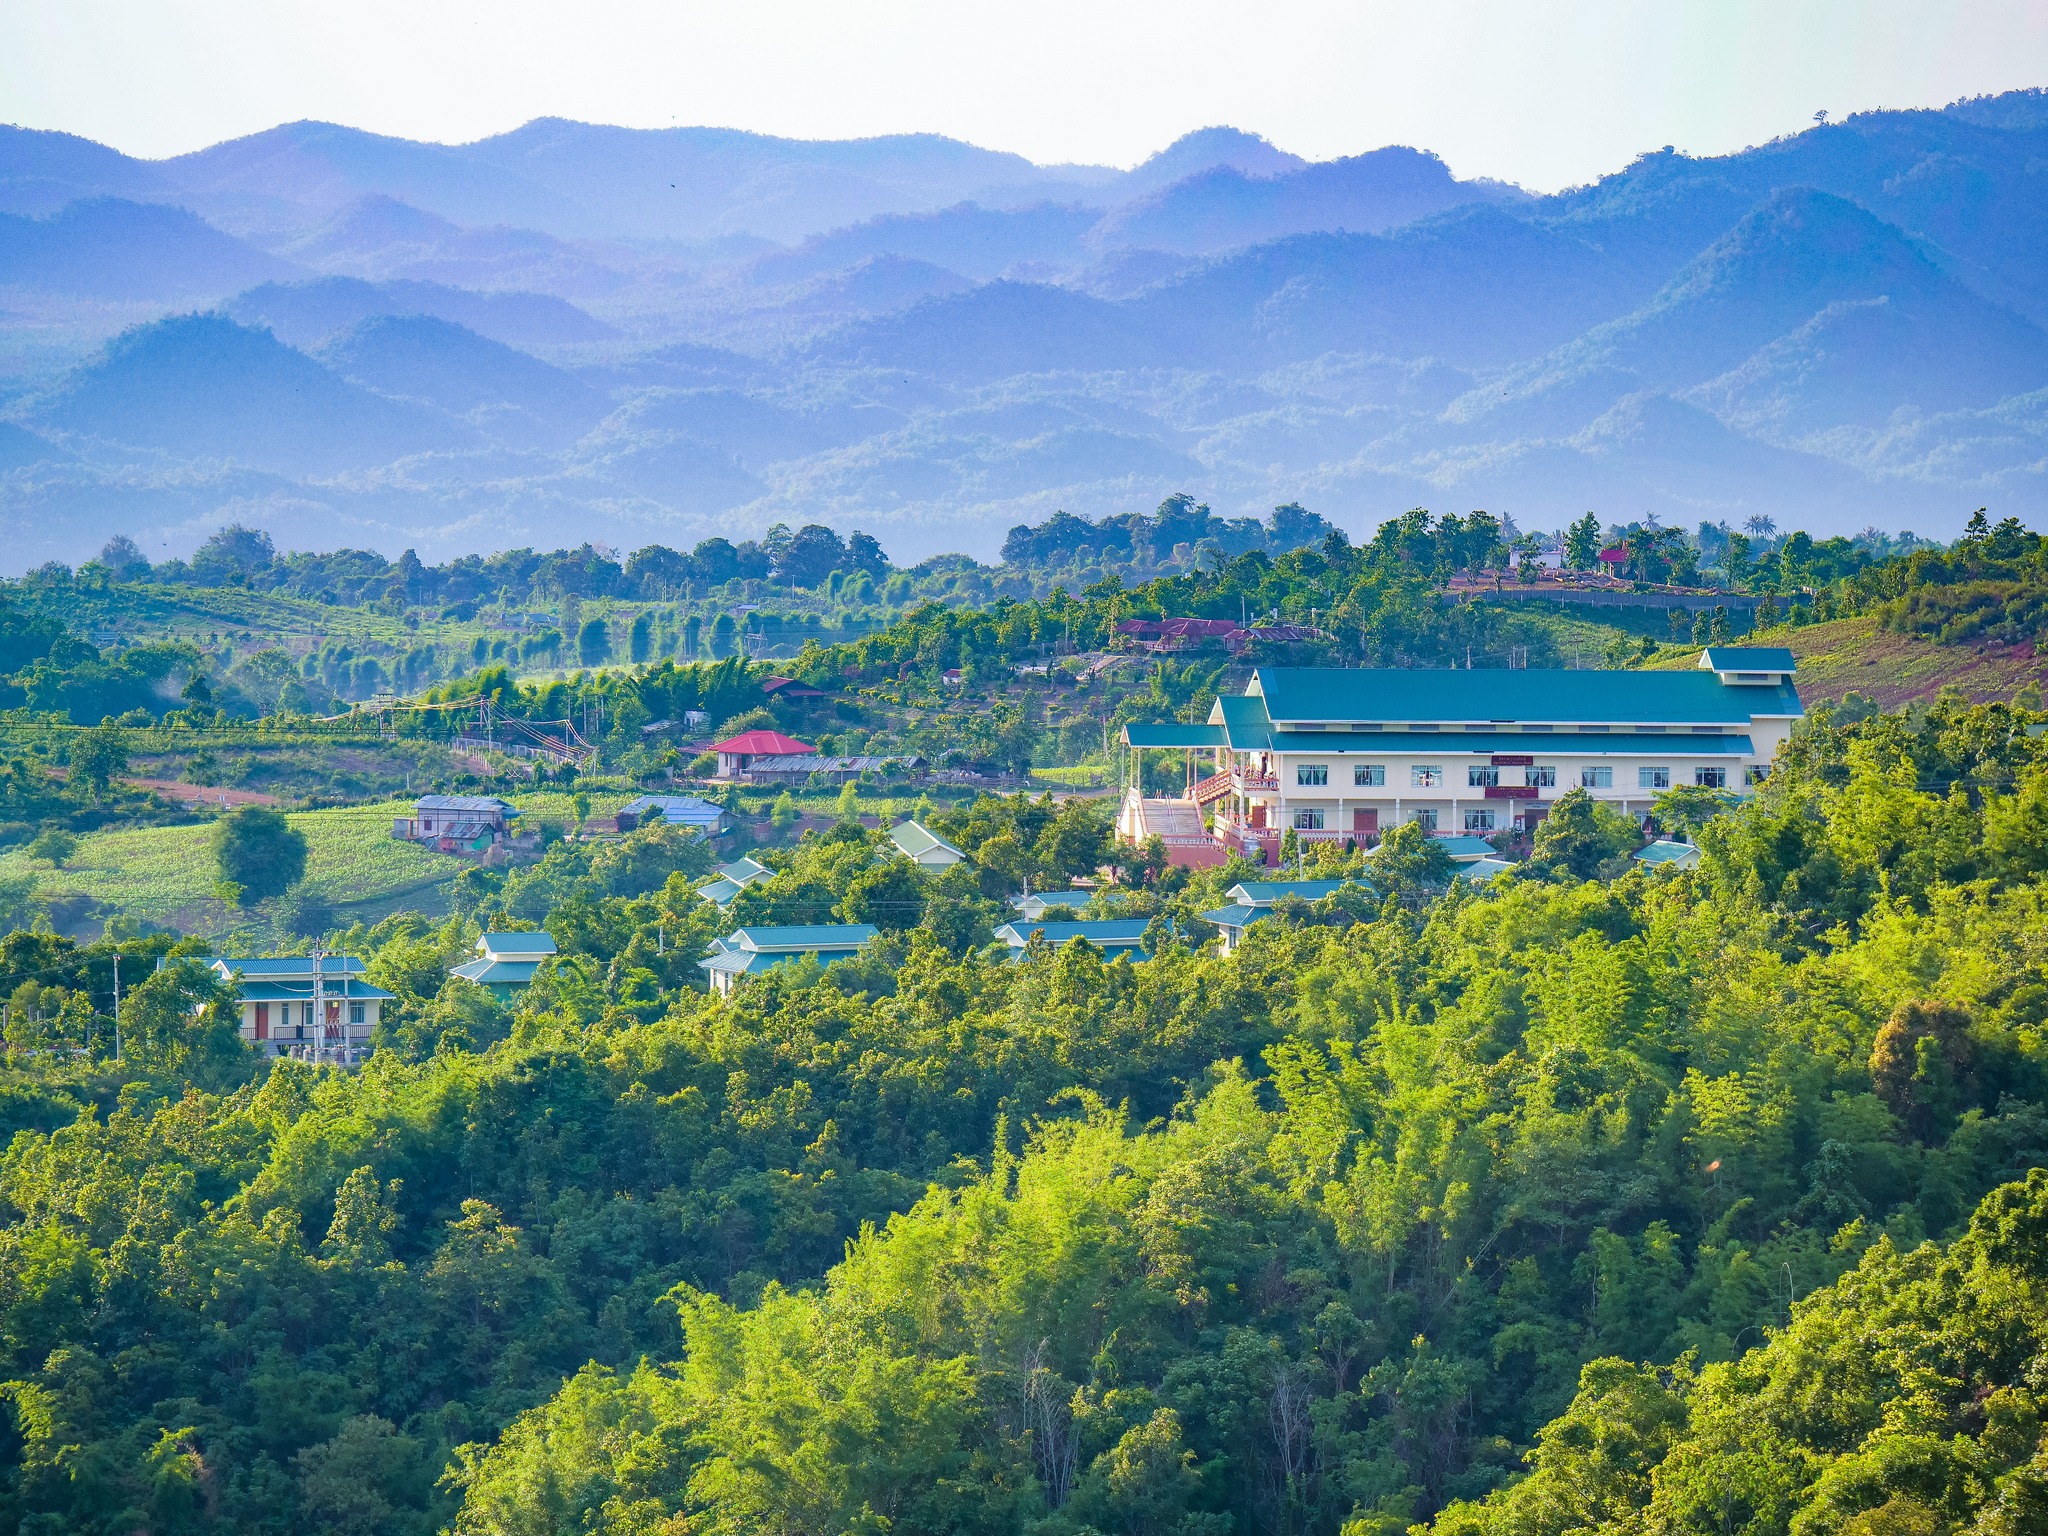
(735, 753)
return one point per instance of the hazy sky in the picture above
(1543, 93)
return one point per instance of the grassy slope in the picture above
(1845, 655)
(166, 874)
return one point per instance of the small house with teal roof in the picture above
(732, 879)
(1665, 854)
(1033, 905)
(924, 847)
(506, 962)
(750, 951)
(1250, 900)
(1113, 936)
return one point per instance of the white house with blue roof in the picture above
(1250, 900)
(733, 878)
(1114, 936)
(750, 951)
(1033, 905)
(505, 963)
(311, 1007)
(1335, 754)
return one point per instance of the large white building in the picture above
(1337, 754)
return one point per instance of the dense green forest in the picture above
(1583, 1199)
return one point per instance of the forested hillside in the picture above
(1669, 1178)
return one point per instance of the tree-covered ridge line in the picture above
(414, 627)
(1314, 1237)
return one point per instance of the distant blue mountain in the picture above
(1207, 149)
(1797, 255)
(306, 314)
(934, 341)
(505, 393)
(381, 238)
(998, 330)
(202, 387)
(1223, 207)
(40, 172)
(976, 242)
(108, 248)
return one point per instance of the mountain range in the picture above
(577, 332)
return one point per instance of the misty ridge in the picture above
(572, 332)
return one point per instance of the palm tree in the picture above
(1761, 526)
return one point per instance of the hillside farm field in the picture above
(165, 875)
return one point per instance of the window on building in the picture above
(355, 1013)
(1426, 819)
(1369, 775)
(1478, 776)
(1596, 778)
(1479, 821)
(1710, 778)
(1653, 778)
(1426, 776)
(1308, 821)
(1756, 773)
(1542, 776)
(1311, 774)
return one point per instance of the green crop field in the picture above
(166, 875)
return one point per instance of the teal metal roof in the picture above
(1540, 744)
(288, 965)
(1237, 916)
(916, 839)
(1046, 899)
(803, 937)
(498, 973)
(719, 892)
(1668, 853)
(1558, 696)
(1263, 893)
(744, 871)
(749, 962)
(1108, 933)
(1485, 869)
(510, 945)
(1169, 733)
(1246, 725)
(1750, 658)
(302, 991)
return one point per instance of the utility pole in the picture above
(319, 1006)
(117, 1005)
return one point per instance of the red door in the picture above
(263, 1021)
(1365, 820)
